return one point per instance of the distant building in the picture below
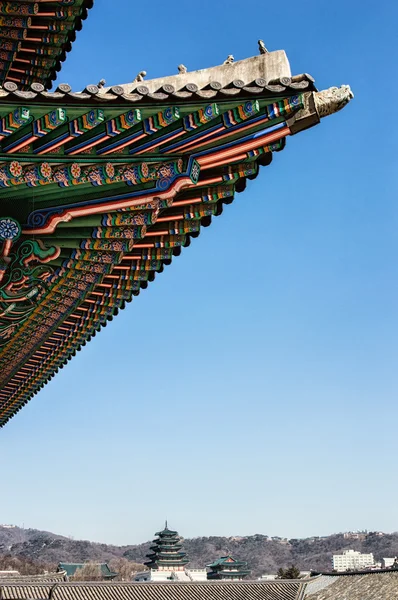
(387, 563)
(8, 573)
(167, 561)
(272, 576)
(355, 535)
(305, 574)
(351, 560)
(71, 568)
(228, 568)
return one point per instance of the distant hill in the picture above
(264, 554)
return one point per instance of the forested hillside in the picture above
(263, 554)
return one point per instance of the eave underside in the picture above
(90, 265)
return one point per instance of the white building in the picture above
(273, 576)
(387, 563)
(305, 574)
(172, 575)
(351, 560)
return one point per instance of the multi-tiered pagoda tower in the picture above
(166, 552)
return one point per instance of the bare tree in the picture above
(125, 568)
(24, 566)
(88, 572)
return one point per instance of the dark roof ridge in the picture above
(161, 583)
(270, 66)
(10, 90)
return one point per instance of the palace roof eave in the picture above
(91, 96)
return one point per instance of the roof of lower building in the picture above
(71, 568)
(371, 585)
(35, 38)
(227, 561)
(11, 579)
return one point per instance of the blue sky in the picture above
(252, 387)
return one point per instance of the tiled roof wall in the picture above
(282, 590)
(372, 586)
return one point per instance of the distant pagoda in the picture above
(228, 568)
(166, 552)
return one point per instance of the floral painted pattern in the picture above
(9, 229)
(16, 168)
(46, 170)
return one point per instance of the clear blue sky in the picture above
(253, 386)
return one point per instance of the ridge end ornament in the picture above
(332, 100)
(317, 105)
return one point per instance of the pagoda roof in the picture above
(166, 532)
(36, 37)
(171, 561)
(100, 190)
(162, 546)
(167, 555)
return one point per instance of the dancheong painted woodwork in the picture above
(101, 189)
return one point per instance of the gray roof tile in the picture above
(222, 590)
(369, 586)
